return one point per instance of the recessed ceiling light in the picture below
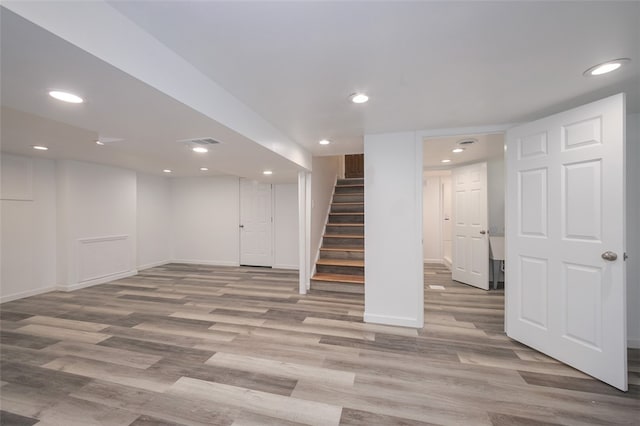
(203, 169)
(267, 172)
(324, 142)
(606, 67)
(167, 170)
(446, 160)
(66, 97)
(40, 147)
(200, 149)
(457, 150)
(99, 143)
(358, 98)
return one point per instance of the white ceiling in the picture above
(436, 149)
(426, 65)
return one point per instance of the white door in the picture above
(255, 223)
(470, 239)
(565, 291)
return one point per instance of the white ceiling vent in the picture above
(200, 141)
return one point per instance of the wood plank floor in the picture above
(200, 345)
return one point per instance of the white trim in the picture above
(96, 281)
(633, 343)
(447, 262)
(27, 293)
(153, 264)
(103, 238)
(324, 228)
(206, 262)
(440, 261)
(389, 320)
(455, 131)
(291, 267)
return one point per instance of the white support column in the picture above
(304, 210)
(394, 280)
(307, 243)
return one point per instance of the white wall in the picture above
(205, 217)
(28, 227)
(96, 212)
(495, 195)
(323, 180)
(153, 221)
(394, 282)
(633, 229)
(285, 226)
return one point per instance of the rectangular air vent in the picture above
(200, 141)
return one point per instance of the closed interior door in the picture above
(470, 245)
(565, 268)
(256, 223)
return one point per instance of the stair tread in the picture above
(341, 262)
(349, 203)
(340, 278)
(345, 224)
(343, 236)
(349, 185)
(358, 249)
(346, 213)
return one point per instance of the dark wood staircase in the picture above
(340, 266)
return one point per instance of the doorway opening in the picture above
(463, 205)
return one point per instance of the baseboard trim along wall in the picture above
(153, 265)
(96, 281)
(206, 262)
(389, 320)
(23, 294)
(292, 267)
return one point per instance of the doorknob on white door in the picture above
(609, 255)
(483, 232)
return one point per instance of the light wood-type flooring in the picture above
(201, 345)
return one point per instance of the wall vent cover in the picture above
(200, 141)
(464, 142)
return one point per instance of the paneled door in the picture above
(565, 268)
(470, 245)
(256, 223)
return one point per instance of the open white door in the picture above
(565, 269)
(255, 223)
(470, 261)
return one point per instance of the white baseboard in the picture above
(97, 281)
(292, 267)
(206, 262)
(633, 343)
(447, 262)
(440, 261)
(28, 293)
(153, 265)
(388, 320)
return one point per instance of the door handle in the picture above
(609, 256)
(241, 226)
(483, 232)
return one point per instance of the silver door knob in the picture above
(483, 232)
(609, 255)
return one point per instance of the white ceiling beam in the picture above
(102, 31)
